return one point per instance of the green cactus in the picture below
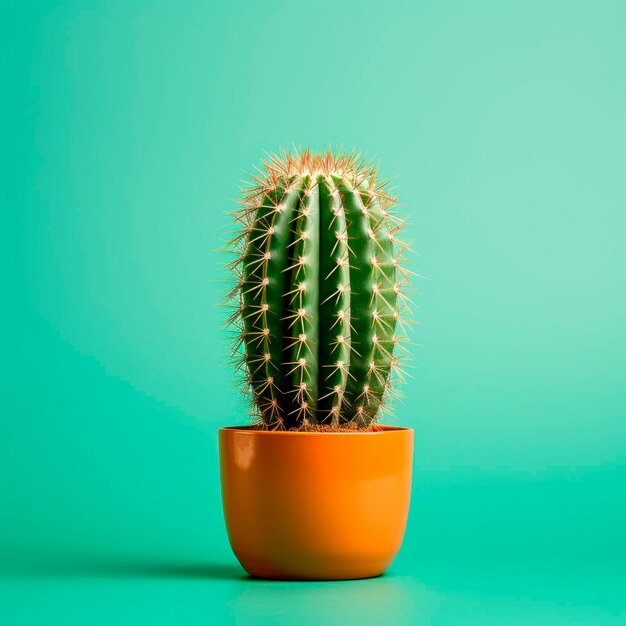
(319, 291)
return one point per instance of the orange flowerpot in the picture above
(316, 506)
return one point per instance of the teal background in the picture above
(126, 129)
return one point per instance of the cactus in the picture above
(319, 291)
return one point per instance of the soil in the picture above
(326, 428)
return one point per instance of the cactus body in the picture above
(319, 291)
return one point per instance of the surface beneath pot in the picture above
(438, 591)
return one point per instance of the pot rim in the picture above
(251, 430)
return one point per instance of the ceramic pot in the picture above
(316, 506)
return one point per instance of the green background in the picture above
(126, 129)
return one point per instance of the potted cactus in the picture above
(315, 488)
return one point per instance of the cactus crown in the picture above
(319, 291)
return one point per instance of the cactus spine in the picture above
(319, 291)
